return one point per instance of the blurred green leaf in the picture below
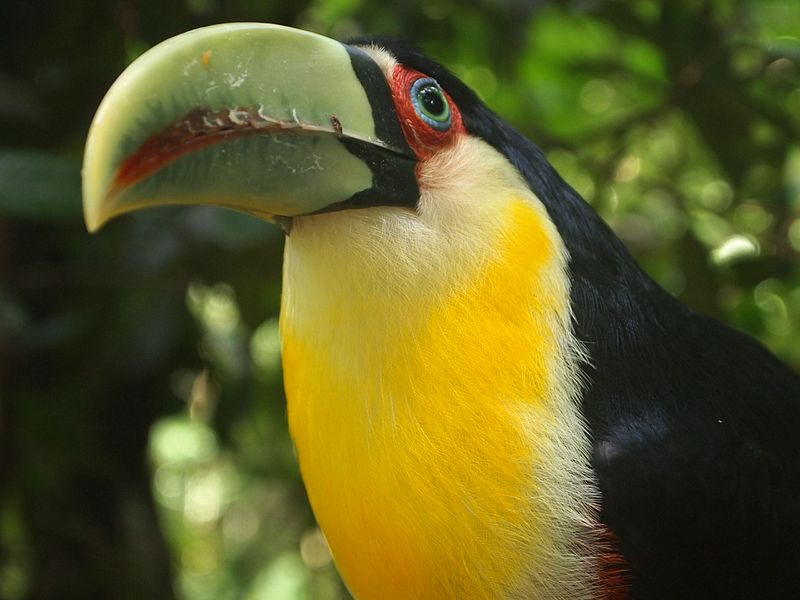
(39, 185)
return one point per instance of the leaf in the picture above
(39, 185)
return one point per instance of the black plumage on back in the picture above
(695, 427)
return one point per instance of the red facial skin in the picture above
(423, 139)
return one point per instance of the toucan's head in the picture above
(283, 123)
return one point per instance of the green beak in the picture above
(263, 119)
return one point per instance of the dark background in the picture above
(143, 444)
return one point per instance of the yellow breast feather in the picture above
(432, 394)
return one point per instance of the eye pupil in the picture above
(432, 101)
(431, 104)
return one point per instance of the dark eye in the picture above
(430, 103)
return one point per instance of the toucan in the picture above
(488, 397)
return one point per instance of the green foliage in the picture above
(39, 185)
(142, 423)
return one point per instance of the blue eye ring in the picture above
(431, 104)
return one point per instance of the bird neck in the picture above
(431, 379)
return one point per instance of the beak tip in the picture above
(92, 226)
(95, 213)
(93, 222)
